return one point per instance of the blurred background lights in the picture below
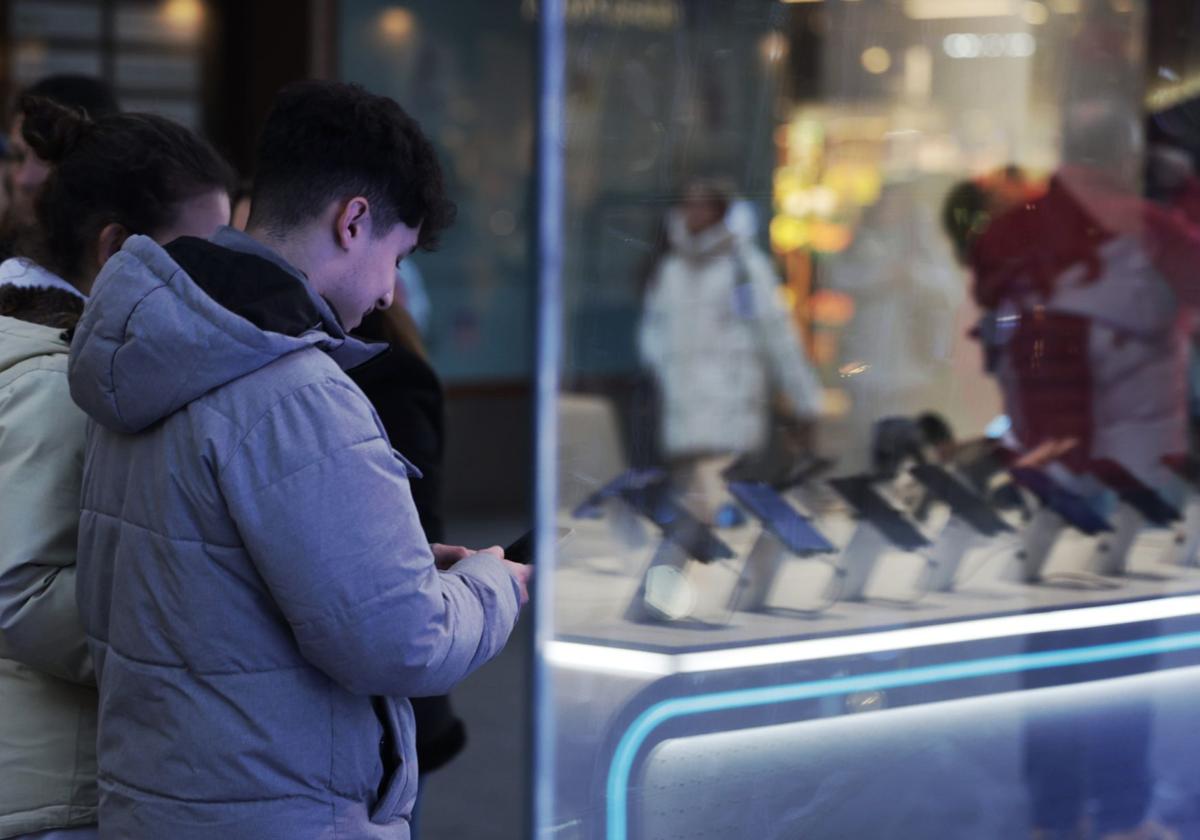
(876, 60)
(396, 24)
(992, 45)
(1034, 13)
(184, 16)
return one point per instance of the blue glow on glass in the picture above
(635, 736)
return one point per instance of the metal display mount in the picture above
(1139, 508)
(1061, 508)
(1184, 550)
(785, 533)
(609, 502)
(973, 522)
(880, 528)
(684, 540)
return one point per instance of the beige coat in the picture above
(47, 697)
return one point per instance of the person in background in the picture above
(107, 179)
(25, 170)
(896, 353)
(719, 344)
(1089, 292)
(257, 592)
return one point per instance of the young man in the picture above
(252, 575)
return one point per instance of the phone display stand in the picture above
(666, 592)
(881, 528)
(1184, 549)
(610, 503)
(1111, 558)
(785, 534)
(1061, 508)
(1038, 539)
(973, 523)
(1139, 508)
(956, 539)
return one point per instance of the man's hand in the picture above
(1046, 451)
(522, 574)
(445, 556)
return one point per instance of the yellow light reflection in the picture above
(944, 9)
(788, 234)
(397, 24)
(831, 308)
(773, 46)
(1034, 13)
(183, 15)
(830, 237)
(876, 60)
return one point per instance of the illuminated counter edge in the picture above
(624, 660)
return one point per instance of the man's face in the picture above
(26, 174)
(370, 281)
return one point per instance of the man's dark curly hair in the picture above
(325, 141)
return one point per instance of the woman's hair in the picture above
(134, 170)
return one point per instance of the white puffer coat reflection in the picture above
(719, 341)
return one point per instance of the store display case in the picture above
(953, 594)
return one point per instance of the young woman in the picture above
(113, 177)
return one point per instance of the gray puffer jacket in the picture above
(252, 574)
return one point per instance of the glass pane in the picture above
(877, 498)
(467, 73)
(184, 111)
(33, 60)
(158, 72)
(179, 22)
(42, 19)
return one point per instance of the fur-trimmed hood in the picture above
(33, 322)
(49, 307)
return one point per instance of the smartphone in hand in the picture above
(521, 549)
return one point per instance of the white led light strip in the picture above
(589, 657)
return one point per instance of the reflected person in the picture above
(719, 343)
(1087, 291)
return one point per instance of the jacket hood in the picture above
(49, 307)
(166, 326)
(735, 229)
(32, 321)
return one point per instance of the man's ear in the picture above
(112, 236)
(352, 221)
